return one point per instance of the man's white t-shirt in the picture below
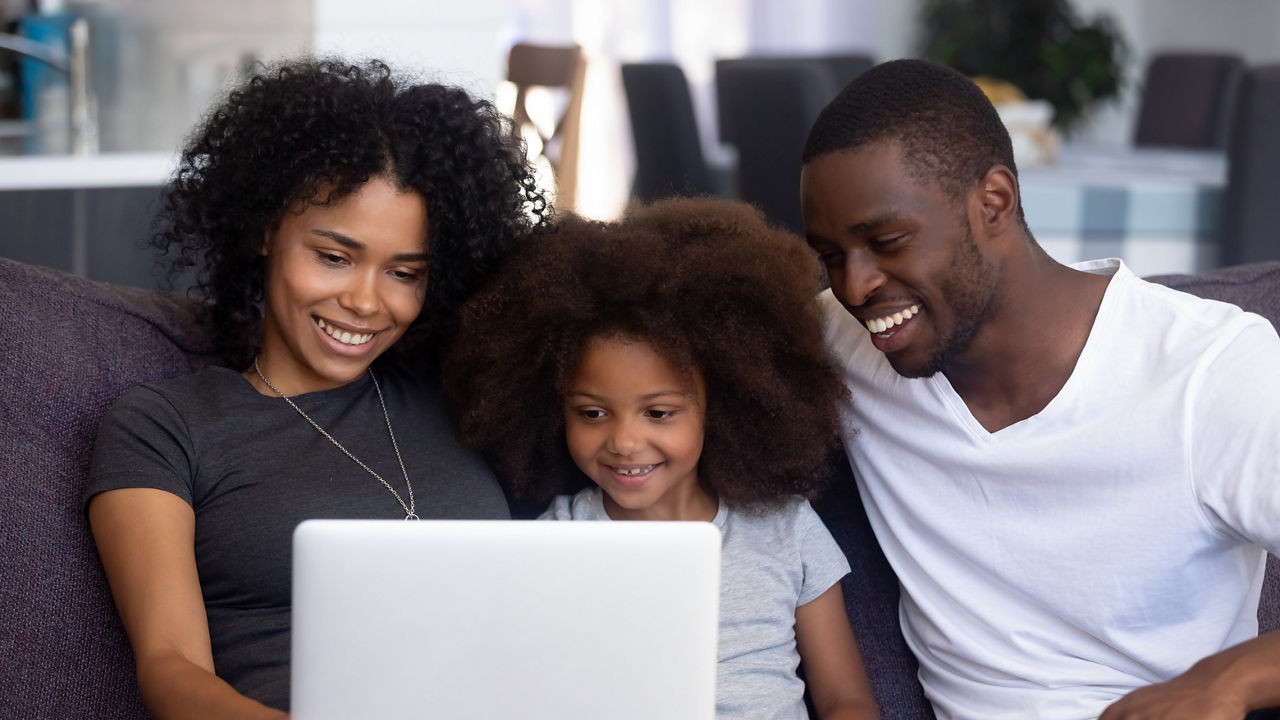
(1103, 544)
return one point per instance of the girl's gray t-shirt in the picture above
(771, 563)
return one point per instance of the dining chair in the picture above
(562, 68)
(1251, 202)
(842, 66)
(669, 157)
(766, 107)
(1187, 100)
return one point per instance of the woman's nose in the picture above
(361, 294)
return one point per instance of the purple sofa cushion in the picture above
(68, 348)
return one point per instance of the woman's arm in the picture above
(146, 539)
(833, 666)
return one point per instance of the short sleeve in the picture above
(1235, 443)
(822, 559)
(142, 443)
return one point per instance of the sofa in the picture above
(71, 346)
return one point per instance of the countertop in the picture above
(63, 172)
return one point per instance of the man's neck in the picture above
(1028, 348)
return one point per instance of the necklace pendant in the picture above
(411, 516)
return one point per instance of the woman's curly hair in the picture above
(315, 130)
(706, 282)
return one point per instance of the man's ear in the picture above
(1000, 200)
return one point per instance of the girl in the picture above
(329, 203)
(670, 367)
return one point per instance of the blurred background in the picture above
(1124, 112)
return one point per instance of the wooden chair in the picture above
(563, 68)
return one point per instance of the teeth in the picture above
(634, 471)
(880, 325)
(343, 336)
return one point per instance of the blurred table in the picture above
(1159, 210)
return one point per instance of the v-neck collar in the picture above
(1120, 274)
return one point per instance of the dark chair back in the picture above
(1251, 204)
(766, 107)
(669, 158)
(1187, 100)
(845, 67)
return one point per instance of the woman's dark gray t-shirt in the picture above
(252, 468)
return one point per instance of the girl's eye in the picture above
(591, 413)
(656, 414)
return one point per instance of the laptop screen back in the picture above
(504, 619)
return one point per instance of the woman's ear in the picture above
(1000, 199)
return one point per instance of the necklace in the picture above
(408, 509)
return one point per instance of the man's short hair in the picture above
(950, 133)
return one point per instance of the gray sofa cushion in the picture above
(69, 348)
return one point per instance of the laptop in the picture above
(504, 620)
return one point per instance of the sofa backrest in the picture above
(68, 348)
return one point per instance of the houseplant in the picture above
(1040, 46)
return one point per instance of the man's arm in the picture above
(1224, 686)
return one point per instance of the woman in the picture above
(340, 213)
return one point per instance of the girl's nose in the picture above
(624, 440)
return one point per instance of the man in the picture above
(1072, 471)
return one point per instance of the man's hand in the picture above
(1186, 697)
(1224, 686)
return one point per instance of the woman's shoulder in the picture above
(192, 391)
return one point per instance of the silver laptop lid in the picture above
(504, 619)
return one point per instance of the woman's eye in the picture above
(329, 258)
(408, 275)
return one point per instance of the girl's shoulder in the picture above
(586, 504)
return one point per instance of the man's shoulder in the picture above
(1181, 317)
